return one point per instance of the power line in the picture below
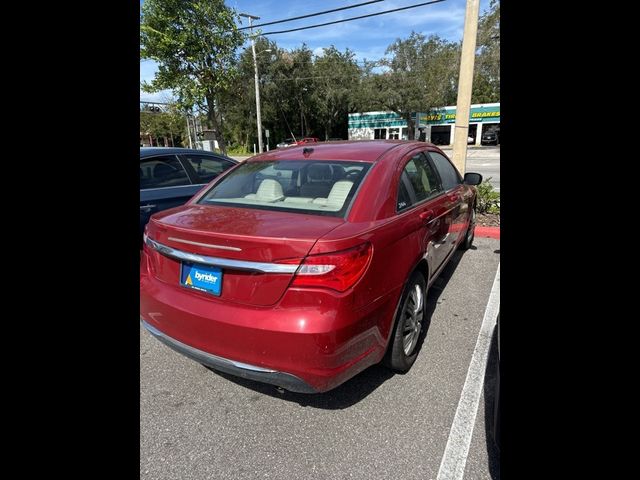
(268, 80)
(374, 63)
(311, 15)
(380, 61)
(354, 75)
(352, 18)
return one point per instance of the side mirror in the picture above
(472, 178)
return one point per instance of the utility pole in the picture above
(465, 85)
(195, 132)
(189, 132)
(255, 69)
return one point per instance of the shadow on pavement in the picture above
(344, 396)
(363, 384)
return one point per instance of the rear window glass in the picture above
(301, 186)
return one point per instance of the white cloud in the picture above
(148, 69)
(444, 19)
(367, 38)
(373, 53)
(163, 96)
(331, 32)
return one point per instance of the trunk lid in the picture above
(253, 237)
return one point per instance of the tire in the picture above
(470, 234)
(402, 352)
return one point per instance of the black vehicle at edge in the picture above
(171, 176)
(490, 137)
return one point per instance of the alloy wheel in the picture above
(413, 313)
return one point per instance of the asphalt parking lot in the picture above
(197, 424)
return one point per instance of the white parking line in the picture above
(457, 449)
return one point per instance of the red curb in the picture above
(488, 232)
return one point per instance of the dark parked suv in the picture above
(171, 176)
(490, 137)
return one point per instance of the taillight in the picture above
(337, 270)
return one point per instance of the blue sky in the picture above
(368, 37)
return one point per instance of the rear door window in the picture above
(448, 174)
(418, 182)
(162, 171)
(207, 167)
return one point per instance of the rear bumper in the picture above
(309, 341)
(239, 369)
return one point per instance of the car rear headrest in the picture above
(269, 191)
(319, 172)
(338, 172)
(339, 193)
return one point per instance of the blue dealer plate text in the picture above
(201, 277)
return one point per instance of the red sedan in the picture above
(302, 267)
(307, 140)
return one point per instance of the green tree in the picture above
(286, 93)
(194, 43)
(422, 75)
(167, 124)
(283, 90)
(365, 92)
(239, 102)
(292, 77)
(486, 78)
(334, 76)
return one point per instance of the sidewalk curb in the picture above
(488, 232)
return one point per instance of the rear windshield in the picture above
(301, 186)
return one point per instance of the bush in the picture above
(237, 150)
(488, 200)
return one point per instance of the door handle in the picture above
(454, 197)
(147, 208)
(427, 216)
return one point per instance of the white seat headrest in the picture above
(338, 193)
(269, 191)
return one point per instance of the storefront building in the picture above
(436, 126)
